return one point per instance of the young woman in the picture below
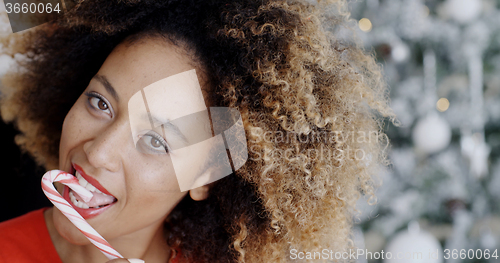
(310, 106)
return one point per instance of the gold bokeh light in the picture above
(365, 25)
(442, 104)
(425, 11)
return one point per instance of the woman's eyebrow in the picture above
(168, 125)
(104, 81)
(176, 130)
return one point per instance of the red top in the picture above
(25, 239)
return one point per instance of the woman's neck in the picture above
(149, 244)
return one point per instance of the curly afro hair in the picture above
(313, 107)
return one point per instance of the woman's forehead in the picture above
(130, 68)
(170, 98)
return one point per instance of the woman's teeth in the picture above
(86, 184)
(76, 202)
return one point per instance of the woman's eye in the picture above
(155, 143)
(98, 103)
(152, 144)
(102, 105)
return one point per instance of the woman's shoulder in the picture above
(26, 239)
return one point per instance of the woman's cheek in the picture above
(153, 181)
(154, 174)
(66, 134)
(71, 126)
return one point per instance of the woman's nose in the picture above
(106, 148)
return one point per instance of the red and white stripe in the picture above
(72, 182)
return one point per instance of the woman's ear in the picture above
(201, 192)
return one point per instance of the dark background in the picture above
(20, 190)
(20, 178)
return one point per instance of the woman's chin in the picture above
(67, 230)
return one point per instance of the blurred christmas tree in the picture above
(442, 62)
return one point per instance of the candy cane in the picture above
(72, 182)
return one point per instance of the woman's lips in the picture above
(91, 212)
(85, 213)
(90, 179)
(99, 199)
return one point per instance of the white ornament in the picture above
(477, 151)
(400, 52)
(431, 134)
(413, 246)
(463, 11)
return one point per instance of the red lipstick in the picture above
(85, 213)
(90, 179)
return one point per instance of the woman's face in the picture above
(129, 165)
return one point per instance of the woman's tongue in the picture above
(98, 199)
